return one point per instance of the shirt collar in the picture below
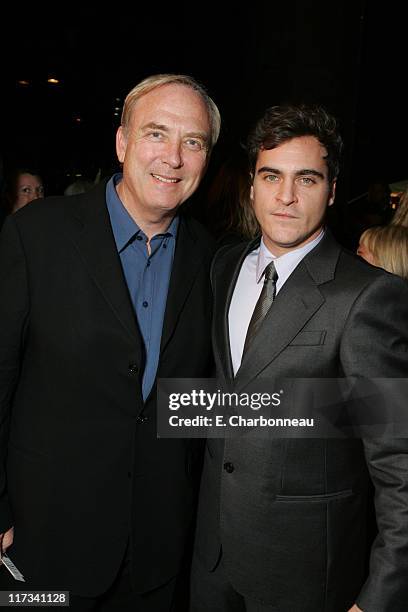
(285, 264)
(123, 225)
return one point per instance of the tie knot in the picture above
(270, 272)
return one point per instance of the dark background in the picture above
(349, 56)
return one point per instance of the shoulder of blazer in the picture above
(329, 258)
(197, 232)
(55, 211)
(229, 255)
(331, 263)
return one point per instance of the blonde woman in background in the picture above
(386, 247)
(401, 214)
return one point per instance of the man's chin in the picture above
(168, 206)
(169, 203)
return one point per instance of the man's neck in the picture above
(151, 224)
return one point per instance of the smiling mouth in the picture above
(165, 179)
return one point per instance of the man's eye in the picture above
(193, 143)
(26, 190)
(156, 135)
(307, 180)
(271, 178)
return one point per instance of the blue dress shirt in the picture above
(147, 276)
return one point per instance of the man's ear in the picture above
(332, 193)
(121, 143)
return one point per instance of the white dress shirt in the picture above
(249, 286)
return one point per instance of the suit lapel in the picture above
(295, 304)
(224, 284)
(93, 237)
(187, 259)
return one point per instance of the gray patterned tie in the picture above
(263, 304)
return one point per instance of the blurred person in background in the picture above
(82, 184)
(22, 186)
(371, 209)
(386, 247)
(230, 216)
(401, 214)
(78, 186)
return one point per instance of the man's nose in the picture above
(173, 155)
(286, 193)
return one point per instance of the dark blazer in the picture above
(291, 514)
(85, 470)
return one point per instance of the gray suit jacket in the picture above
(291, 517)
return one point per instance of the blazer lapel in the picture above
(223, 286)
(295, 304)
(93, 237)
(187, 259)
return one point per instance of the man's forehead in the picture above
(169, 104)
(295, 154)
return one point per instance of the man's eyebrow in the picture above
(201, 135)
(164, 128)
(309, 171)
(302, 172)
(155, 126)
(268, 169)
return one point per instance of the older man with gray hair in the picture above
(101, 294)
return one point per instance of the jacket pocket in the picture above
(309, 338)
(315, 498)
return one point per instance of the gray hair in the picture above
(158, 80)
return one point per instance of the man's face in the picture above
(164, 150)
(290, 193)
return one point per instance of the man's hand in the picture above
(355, 608)
(6, 540)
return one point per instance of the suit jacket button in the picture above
(133, 369)
(229, 467)
(142, 418)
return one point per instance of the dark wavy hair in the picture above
(282, 123)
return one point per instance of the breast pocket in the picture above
(315, 498)
(309, 338)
